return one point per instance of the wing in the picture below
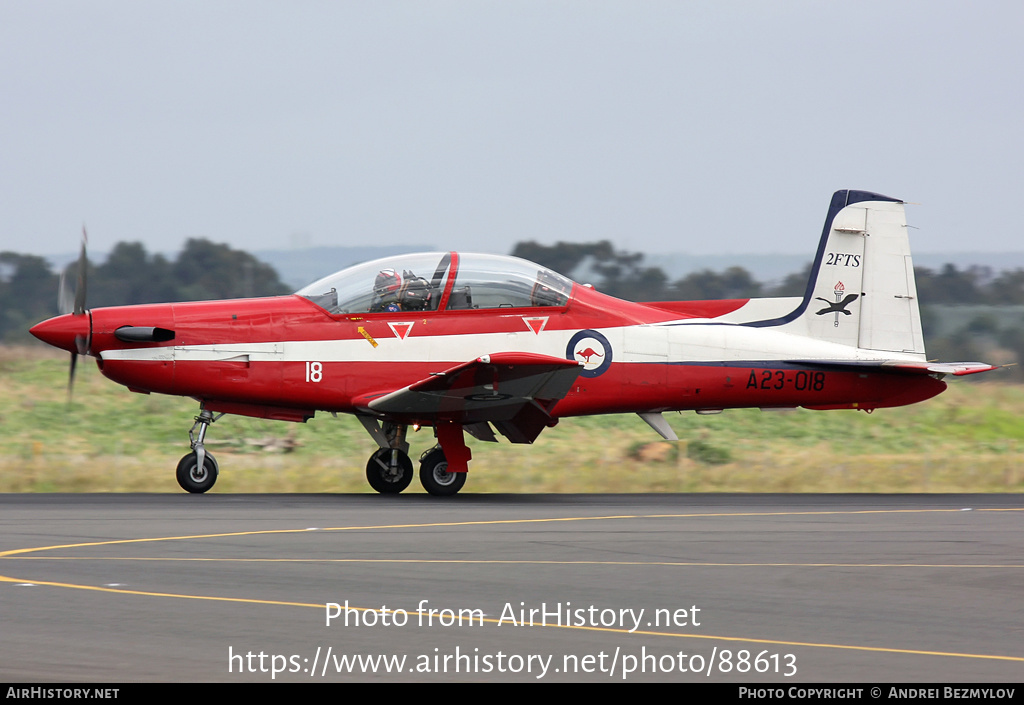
(514, 391)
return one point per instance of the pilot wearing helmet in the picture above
(386, 289)
(548, 290)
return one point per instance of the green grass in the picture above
(969, 439)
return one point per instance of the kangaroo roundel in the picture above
(593, 350)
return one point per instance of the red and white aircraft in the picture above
(482, 343)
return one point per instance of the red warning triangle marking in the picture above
(536, 323)
(401, 330)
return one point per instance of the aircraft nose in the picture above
(63, 332)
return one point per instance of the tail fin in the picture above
(861, 291)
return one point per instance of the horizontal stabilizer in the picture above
(903, 366)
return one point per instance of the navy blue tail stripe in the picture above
(840, 200)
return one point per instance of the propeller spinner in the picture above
(72, 330)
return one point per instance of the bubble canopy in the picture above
(439, 281)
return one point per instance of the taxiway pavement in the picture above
(737, 588)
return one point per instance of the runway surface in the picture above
(706, 588)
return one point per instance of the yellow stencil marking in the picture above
(369, 338)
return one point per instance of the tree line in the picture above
(130, 275)
(626, 275)
(206, 270)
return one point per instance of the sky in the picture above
(695, 127)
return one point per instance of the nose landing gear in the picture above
(197, 471)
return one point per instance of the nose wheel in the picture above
(389, 471)
(195, 478)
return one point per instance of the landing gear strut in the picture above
(197, 471)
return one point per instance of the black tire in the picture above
(382, 478)
(434, 475)
(194, 480)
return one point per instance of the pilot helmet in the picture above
(388, 282)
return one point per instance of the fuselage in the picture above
(287, 357)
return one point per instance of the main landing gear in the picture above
(434, 475)
(389, 469)
(197, 471)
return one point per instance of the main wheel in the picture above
(434, 475)
(384, 478)
(194, 479)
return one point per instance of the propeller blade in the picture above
(71, 375)
(83, 262)
(65, 301)
(65, 305)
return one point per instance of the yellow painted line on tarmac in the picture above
(488, 561)
(487, 522)
(181, 596)
(491, 620)
(778, 642)
(9, 554)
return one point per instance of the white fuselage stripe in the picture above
(692, 342)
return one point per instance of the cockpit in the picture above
(439, 281)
